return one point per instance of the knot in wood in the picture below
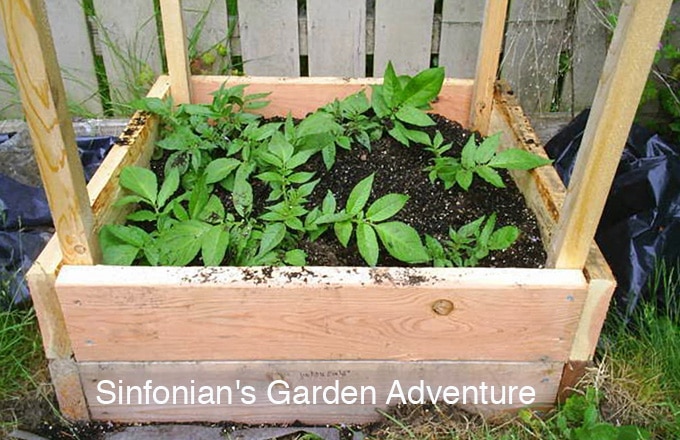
(442, 307)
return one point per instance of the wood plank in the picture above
(66, 381)
(337, 38)
(403, 35)
(128, 39)
(461, 30)
(139, 314)
(269, 37)
(42, 92)
(544, 193)
(74, 52)
(176, 51)
(487, 64)
(303, 95)
(533, 42)
(381, 375)
(623, 78)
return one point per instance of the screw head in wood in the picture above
(442, 307)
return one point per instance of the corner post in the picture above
(176, 51)
(488, 58)
(32, 52)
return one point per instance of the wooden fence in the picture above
(352, 38)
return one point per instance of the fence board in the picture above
(403, 34)
(336, 38)
(128, 39)
(534, 40)
(10, 106)
(212, 17)
(269, 37)
(460, 32)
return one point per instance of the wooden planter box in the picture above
(313, 326)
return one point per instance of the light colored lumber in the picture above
(269, 37)
(70, 394)
(303, 95)
(543, 377)
(144, 314)
(42, 92)
(336, 33)
(403, 35)
(128, 39)
(176, 51)
(461, 28)
(487, 64)
(623, 78)
(544, 194)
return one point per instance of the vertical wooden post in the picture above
(32, 52)
(176, 51)
(625, 72)
(488, 58)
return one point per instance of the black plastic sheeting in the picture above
(25, 219)
(640, 225)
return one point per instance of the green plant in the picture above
(351, 114)
(402, 100)
(399, 239)
(470, 243)
(483, 160)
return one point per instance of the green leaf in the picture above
(280, 147)
(490, 175)
(272, 236)
(129, 234)
(413, 116)
(337, 217)
(345, 142)
(115, 251)
(329, 204)
(464, 178)
(126, 200)
(470, 229)
(180, 244)
(343, 230)
(306, 189)
(295, 257)
(359, 196)
(467, 157)
(270, 177)
(219, 169)
(214, 244)
(424, 87)
(300, 177)
(299, 158)
(295, 224)
(378, 102)
(417, 136)
(391, 89)
(213, 211)
(168, 188)
(198, 198)
(355, 104)
(483, 239)
(140, 181)
(402, 242)
(142, 216)
(328, 155)
(399, 132)
(503, 238)
(242, 196)
(386, 207)
(368, 244)
(516, 159)
(487, 148)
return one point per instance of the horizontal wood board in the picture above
(303, 95)
(543, 377)
(143, 314)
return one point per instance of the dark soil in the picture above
(430, 210)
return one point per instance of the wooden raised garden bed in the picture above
(313, 326)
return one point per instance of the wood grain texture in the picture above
(42, 92)
(128, 39)
(625, 72)
(336, 38)
(145, 314)
(487, 64)
(303, 95)
(176, 51)
(403, 35)
(70, 394)
(461, 30)
(269, 37)
(544, 377)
